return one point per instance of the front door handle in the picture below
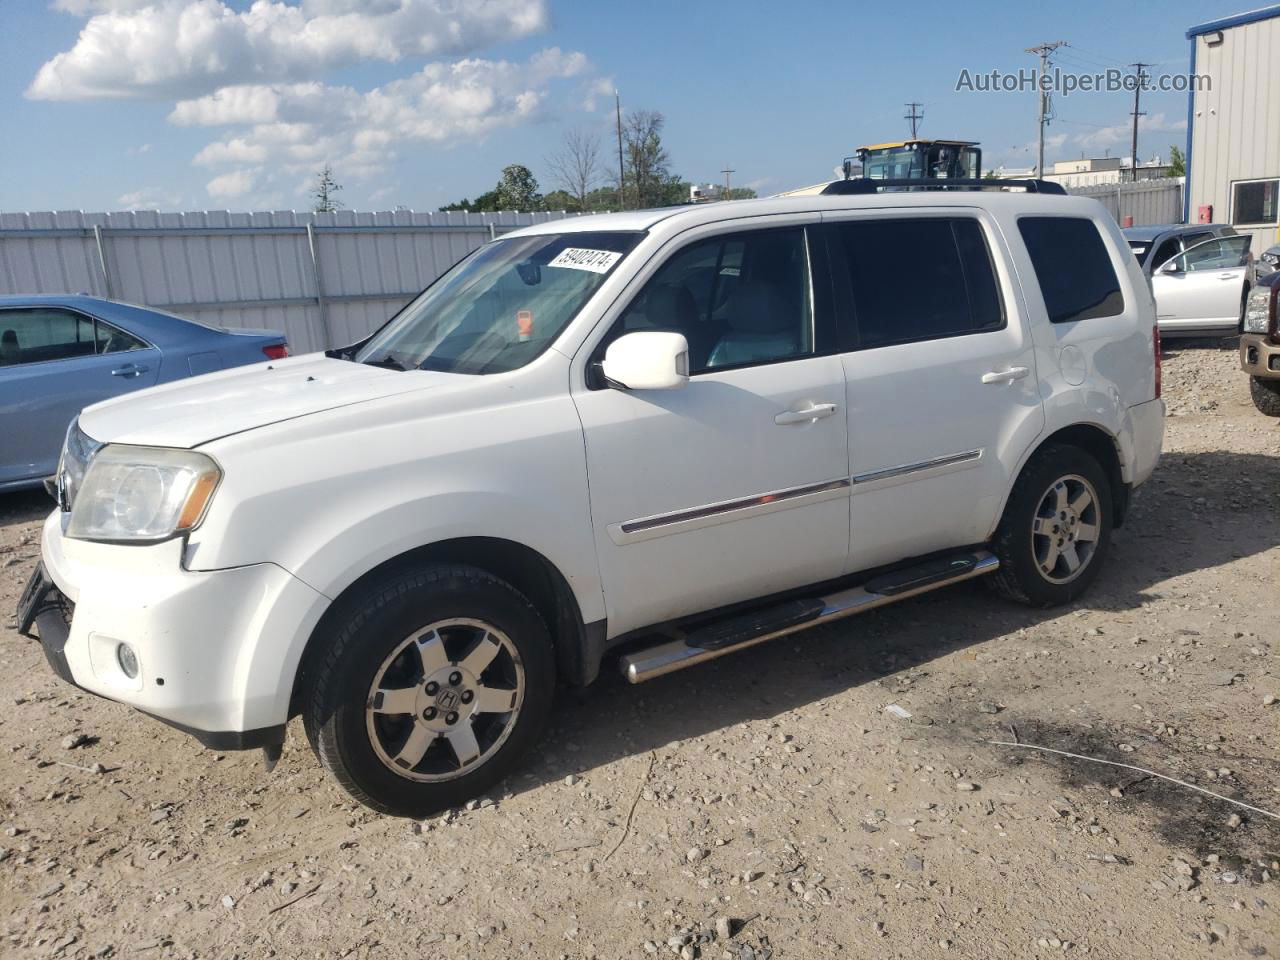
(815, 411)
(1227, 276)
(1005, 376)
(129, 370)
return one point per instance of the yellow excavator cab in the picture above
(919, 160)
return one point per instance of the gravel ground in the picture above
(767, 805)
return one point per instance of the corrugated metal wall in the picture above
(1147, 201)
(324, 279)
(1235, 125)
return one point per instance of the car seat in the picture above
(761, 327)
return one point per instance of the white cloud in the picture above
(186, 48)
(148, 198)
(1123, 132)
(234, 184)
(290, 130)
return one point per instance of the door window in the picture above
(1223, 253)
(36, 336)
(1073, 267)
(740, 299)
(916, 279)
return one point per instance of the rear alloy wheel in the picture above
(1056, 526)
(1064, 533)
(1265, 395)
(429, 689)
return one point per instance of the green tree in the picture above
(325, 193)
(1177, 162)
(518, 189)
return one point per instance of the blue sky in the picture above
(209, 104)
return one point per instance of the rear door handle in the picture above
(1005, 376)
(1227, 276)
(129, 370)
(815, 411)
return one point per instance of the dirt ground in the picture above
(762, 806)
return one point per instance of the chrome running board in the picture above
(878, 592)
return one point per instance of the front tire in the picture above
(430, 689)
(1055, 530)
(1265, 395)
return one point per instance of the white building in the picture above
(1233, 124)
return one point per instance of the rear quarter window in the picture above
(1073, 267)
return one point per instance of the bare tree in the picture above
(576, 166)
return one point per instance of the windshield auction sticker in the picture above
(576, 258)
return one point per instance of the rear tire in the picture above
(430, 689)
(1055, 530)
(1265, 395)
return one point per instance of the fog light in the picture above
(128, 660)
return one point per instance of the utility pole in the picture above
(622, 196)
(1139, 79)
(726, 171)
(1042, 95)
(913, 117)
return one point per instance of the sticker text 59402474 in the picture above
(577, 258)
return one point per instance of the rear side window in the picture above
(916, 279)
(1073, 267)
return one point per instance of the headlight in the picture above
(77, 450)
(1257, 310)
(142, 494)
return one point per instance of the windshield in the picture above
(500, 307)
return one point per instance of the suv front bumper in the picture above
(216, 651)
(1259, 357)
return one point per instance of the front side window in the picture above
(917, 279)
(1256, 201)
(1222, 253)
(1073, 267)
(500, 307)
(37, 336)
(739, 299)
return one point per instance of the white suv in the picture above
(656, 437)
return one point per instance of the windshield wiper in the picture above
(389, 362)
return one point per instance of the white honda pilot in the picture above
(649, 438)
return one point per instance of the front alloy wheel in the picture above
(445, 700)
(428, 687)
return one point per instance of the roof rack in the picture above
(865, 185)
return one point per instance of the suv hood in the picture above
(190, 412)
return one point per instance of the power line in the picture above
(1043, 50)
(914, 117)
(726, 171)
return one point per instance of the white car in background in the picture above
(1200, 275)
(655, 437)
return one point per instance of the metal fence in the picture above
(1147, 201)
(323, 279)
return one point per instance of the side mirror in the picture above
(647, 360)
(1171, 266)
